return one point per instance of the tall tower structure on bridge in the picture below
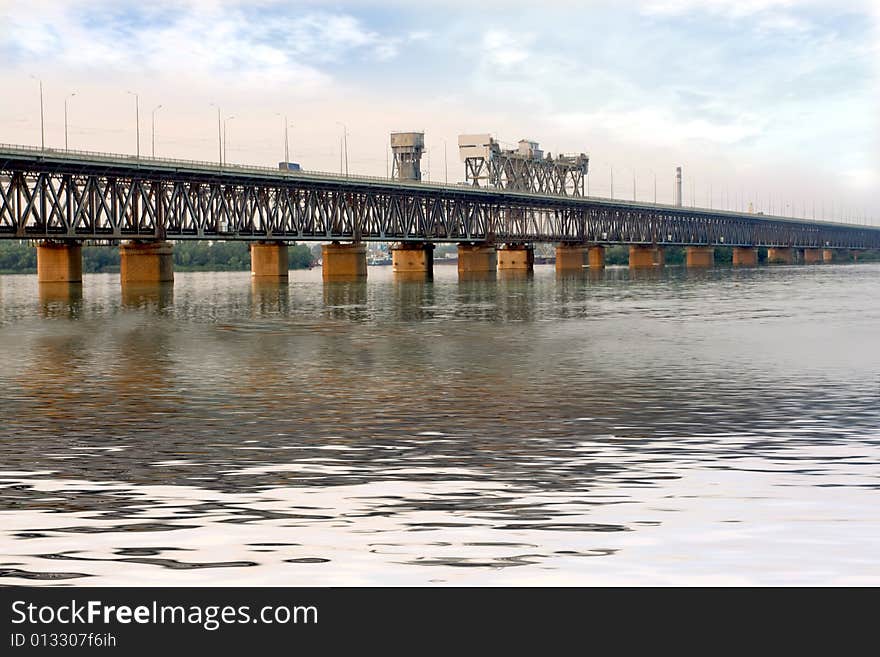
(407, 148)
(677, 186)
(410, 259)
(525, 168)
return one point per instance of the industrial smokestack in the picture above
(678, 186)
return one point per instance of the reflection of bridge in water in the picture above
(66, 198)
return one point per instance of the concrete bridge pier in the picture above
(146, 263)
(643, 256)
(827, 255)
(476, 258)
(700, 256)
(269, 261)
(570, 257)
(516, 257)
(342, 262)
(780, 255)
(745, 256)
(596, 257)
(812, 256)
(59, 262)
(413, 259)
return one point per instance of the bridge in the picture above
(64, 198)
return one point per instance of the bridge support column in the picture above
(59, 262)
(570, 257)
(413, 259)
(745, 256)
(812, 256)
(827, 255)
(780, 255)
(645, 257)
(700, 256)
(343, 261)
(516, 257)
(476, 258)
(596, 256)
(269, 260)
(146, 262)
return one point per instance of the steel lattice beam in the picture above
(67, 198)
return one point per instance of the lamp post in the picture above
(286, 137)
(445, 162)
(66, 98)
(611, 168)
(137, 120)
(344, 144)
(42, 116)
(219, 135)
(153, 130)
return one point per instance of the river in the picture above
(681, 427)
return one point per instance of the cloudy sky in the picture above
(768, 101)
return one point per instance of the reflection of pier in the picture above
(346, 299)
(60, 299)
(269, 297)
(158, 296)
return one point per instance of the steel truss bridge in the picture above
(67, 195)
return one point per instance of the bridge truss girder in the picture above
(62, 205)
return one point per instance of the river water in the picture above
(716, 427)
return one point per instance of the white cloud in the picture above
(195, 39)
(732, 8)
(505, 49)
(656, 127)
(863, 179)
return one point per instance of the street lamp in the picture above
(286, 137)
(42, 116)
(153, 129)
(344, 145)
(66, 98)
(653, 173)
(445, 163)
(137, 120)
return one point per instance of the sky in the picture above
(770, 102)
